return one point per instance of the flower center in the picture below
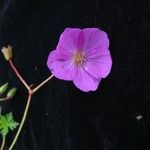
(79, 58)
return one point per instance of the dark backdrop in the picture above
(62, 117)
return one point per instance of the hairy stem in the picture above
(3, 143)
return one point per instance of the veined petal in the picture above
(84, 81)
(82, 56)
(63, 53)
(99, 66)
(68, 40)
(96, 42)
(80, 41)
(61, 68)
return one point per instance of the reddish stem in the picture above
(18, 75)
(31, 92)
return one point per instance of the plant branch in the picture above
(30, 93)
(40, 85)
(4, 98)
(22, 122)
(18, 75)
(3, 143)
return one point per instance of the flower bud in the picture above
(7, 52)
(11, 93)
(3, 88)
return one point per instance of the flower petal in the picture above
(80, 41)
(96, 42)
(99, 66)
(84, 81)
(68, 40)
(61, 68)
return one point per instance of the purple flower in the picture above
(81, 56)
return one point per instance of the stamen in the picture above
(79, 58)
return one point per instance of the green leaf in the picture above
(9, 117)
(4, 131)
(13, 125)
(7, 123)
(3, 88)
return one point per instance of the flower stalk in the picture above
(3, 142)
(18, 75)
(4, 98)
(22, 122)
(31, 91)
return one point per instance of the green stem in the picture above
(31, 92)
(3, 143)
(22, 122)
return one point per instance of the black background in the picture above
(61, 117)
